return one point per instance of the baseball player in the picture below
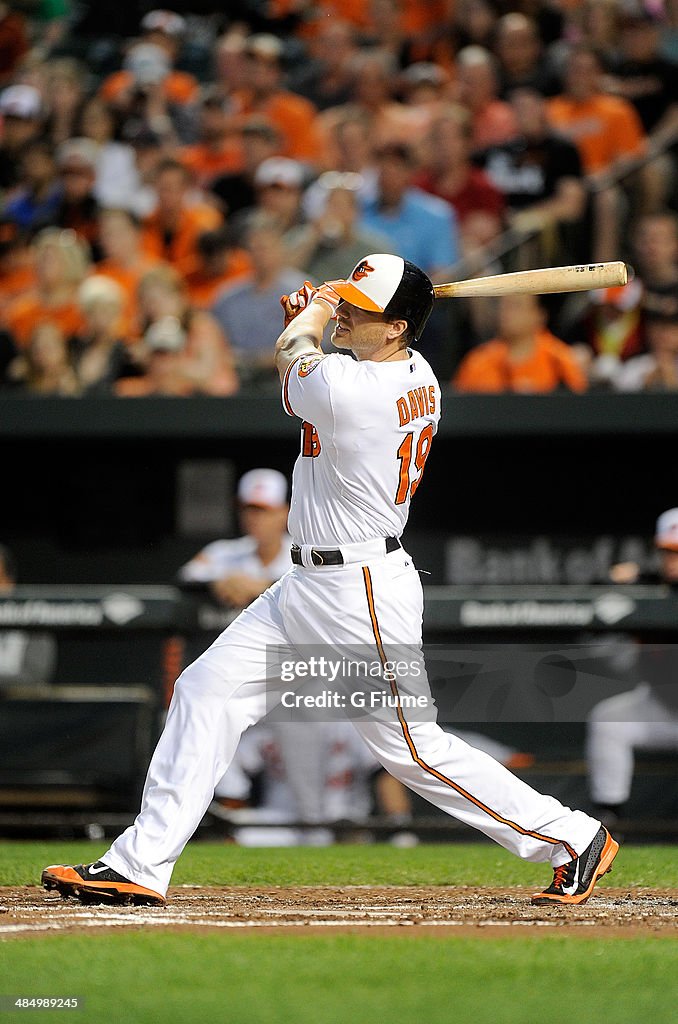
(237, 571)
(368, 423)
(344, 779)
(646, 717)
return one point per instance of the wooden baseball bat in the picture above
(548, 281)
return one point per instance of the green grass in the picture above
(320, 977)
(357, 979)
(436, 864)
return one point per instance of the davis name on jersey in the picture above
(382, 414)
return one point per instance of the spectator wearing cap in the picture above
(422, 228)
(21, 119)
(218, 149)
(163, 348)
(259, 140)
(62, 260)
(264, 94)
(170, 233)
(78, 210)
(235, 572)
(332, 239)
(164, 31)
(147, 99)
(279, 186)
(644, 718)
(525, 357)
(36, 203)
(271, 276)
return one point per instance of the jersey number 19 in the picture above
(404, 454)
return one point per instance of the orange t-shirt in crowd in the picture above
(206, 163)
(295, 117)
(179, 87)
(415, 16)
(180, 249)
(15, 282)
(202, 288)
(26, 312)
(603, 128)
(488, 368)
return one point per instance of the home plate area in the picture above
(436, 909)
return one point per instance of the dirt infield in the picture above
(29, 910)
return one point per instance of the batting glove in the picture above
(293, 304)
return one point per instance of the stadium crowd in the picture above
(166, 175)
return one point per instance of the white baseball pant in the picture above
(617, 727)
(379, 603)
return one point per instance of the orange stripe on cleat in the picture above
(610, 851)
(68, 881)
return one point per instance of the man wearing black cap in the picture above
(348, 616)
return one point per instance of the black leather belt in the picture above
(333, 556)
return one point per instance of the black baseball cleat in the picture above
(97, 883)
(573, 882)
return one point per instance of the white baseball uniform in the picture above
(344, 779)
(367, 429)
(222, 557)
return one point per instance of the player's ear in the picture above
(397, 328)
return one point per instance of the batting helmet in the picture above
(382, 283)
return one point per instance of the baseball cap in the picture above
(266, 488)
(383, 283)
(78, 153)
(423, 72)
(21, 101)
(164, 21)
(279, 170)
(148, 63)
(666, 532)
(165, 335)
(264, 45)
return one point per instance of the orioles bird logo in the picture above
(362, 270)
